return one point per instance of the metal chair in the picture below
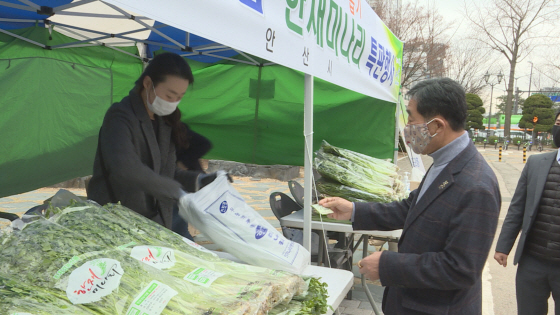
(341, 254)
(8, 216)
(282, 205)
(297, 192)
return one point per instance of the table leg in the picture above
(322, 245)
(365, 242)
(349, 244)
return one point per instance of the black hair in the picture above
(556, 117)
(441, 96)
(161, 66)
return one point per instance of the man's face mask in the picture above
(160, 106)
(556, 135)
(417, 136)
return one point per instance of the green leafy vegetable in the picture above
(49, 250)
(357, 177)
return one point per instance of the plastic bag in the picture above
(219, 211)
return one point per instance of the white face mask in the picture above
(160, 106)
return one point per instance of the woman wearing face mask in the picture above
(135, 162)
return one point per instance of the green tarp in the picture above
(53, 103)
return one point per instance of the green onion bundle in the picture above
(377, 165)
(266, 290)
(355, 176)
(48, 251)
(45, 254)
(333, 188)
(19, 297)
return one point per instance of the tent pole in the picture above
(308, 180)
(397, 116)
(256, 129)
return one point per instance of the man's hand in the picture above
(501, 258)
(342, 208)
(369, 266)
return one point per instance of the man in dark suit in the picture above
(535, 211)
(448, 223)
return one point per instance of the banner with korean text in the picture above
(340, 41)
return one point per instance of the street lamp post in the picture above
(530, 78)
(499, 77)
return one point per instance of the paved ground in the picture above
(499, 285)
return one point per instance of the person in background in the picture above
(135, 161)
(535, 212)
(188, 158)
(448, 223)
(189, 155)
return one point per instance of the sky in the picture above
(451, 10)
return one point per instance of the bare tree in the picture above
(465, 66)
(511, 28)
(422, 29)
(553, 57)
(548, 75)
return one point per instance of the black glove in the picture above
(205, 179)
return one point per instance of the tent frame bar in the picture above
(94, 31)
(31, 4)
(217, 56)
(153, 29)
(101, 44)
(147, 42)
(109, 16)
(211, 46)
(67, 28)
(105, 35)
(71, 5)
(22, 38)
(211, 51)
(74, 46)
(17, 6)
(246, 56)
(21, 21)
(81, 42)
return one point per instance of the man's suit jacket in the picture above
(141, 168)
(525, 203)
(446, 237)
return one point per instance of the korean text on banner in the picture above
(340, 41)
